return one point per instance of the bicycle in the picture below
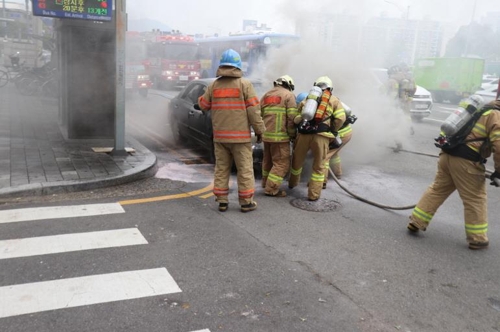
(42, 83)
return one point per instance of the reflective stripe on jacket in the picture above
(279, 108)
(234, 107)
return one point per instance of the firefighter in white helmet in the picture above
(321, 115)
(279, 109)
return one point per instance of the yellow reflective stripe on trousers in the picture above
(296, 171)
(265, 173)
(316, 177)
(336, 160)
(275, 178)
(421, 215)
(476, 229)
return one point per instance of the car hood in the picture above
(421, 91)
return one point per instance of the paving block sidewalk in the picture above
(36, 159)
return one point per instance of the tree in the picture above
(474, 40)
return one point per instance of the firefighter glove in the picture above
(259, 138)
(197, 107)
(495, 179)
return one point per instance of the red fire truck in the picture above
(172, 59)
(136, 76)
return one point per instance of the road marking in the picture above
(205, 330)
(434, 120)
(68, 293)
(70, 242)
(58, 212)
(168, 197)
(207, 195)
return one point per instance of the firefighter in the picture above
(316, 135)
(400, 87)
(234, 107)
(333, 157)
(278, 112)
(462, 168)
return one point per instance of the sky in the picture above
(217, 16)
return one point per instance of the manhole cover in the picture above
(321, 205)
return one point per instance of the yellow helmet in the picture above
(324, 82)
(285, 81)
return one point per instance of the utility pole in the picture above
(120, 21)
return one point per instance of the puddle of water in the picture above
(182, 172)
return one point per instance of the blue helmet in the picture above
(230, 58)
(301, 96)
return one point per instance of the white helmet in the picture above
(324, 82)
(285, 81)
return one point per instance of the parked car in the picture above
(489, 81)
(489, 94)
(421, 105)
(194, 126)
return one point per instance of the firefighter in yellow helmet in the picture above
(234, 107)
(321, 114)
(278, 112)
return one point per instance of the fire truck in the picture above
(136, 76)
(172, 59)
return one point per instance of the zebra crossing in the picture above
(84, 290)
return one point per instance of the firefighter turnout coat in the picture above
(234, 107)
(318, 143)
(279, 109)
(462, 169)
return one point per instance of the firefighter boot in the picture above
(474, 245)
(223, 207)
(414, 226)
(249, 207)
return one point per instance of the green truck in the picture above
(449, 78)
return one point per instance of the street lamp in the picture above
(401, 10)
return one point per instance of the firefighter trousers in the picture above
(318, 145)
(332, 158)
(468, 178)
(275, 165)
(241, 154)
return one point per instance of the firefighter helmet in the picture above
(324, 82)
(285, 81)
(230, 58)
(393, 70)
(301, 96)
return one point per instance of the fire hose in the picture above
(382, 206)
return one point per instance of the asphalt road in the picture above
(279, 268)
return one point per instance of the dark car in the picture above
(194, 126)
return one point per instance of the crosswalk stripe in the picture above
(68, 293)
(57, 212)
(70, 242)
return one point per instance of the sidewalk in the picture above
(35, 158)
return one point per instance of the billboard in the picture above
(95, 10)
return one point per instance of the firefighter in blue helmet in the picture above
(235, 108)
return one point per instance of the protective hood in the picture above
(228, 71)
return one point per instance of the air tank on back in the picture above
(311, 105)
(456, 120)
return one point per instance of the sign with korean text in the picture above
(95, 10)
